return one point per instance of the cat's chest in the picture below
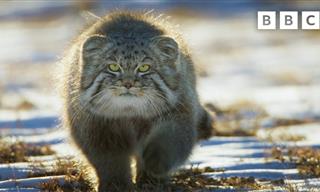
(136, 128)
(115, 134)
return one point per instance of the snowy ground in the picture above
(279, 71)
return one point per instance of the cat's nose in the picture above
(127, 84)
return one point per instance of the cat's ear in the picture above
(94, 45)
(167, 47)
(90, 59)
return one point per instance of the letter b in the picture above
(288, 20)
(266, 20)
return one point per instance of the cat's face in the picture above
(128, 76)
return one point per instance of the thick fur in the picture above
(155, 121)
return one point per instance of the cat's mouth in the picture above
(127, 94)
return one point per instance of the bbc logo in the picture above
(288, 20)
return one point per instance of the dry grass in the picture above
(277, 153)
(17, 102)
(282, 185)
(239, 119)
(193, 179)
(25, 105)
(244, 118)
(306, 159)
(76, 177)
(280, 130)
(287, 122)
(61, 167)
(289, 77)
(20, 151)
(283, 136)
(196, 179)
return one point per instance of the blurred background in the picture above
(261, 84)
(279, 70)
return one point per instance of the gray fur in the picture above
(155, 121)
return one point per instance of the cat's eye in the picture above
(114, 67)
(144, 68)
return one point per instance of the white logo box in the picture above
(288, 20)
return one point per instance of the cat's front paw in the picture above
(156, 160)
